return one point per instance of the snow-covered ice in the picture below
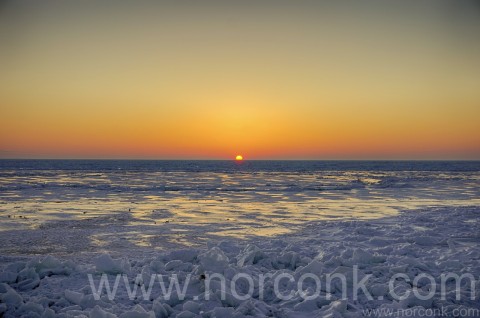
(304, 249)
(46, 285)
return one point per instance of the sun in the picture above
(239, 158)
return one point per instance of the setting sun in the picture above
(239, 158)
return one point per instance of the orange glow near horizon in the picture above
(201, 81)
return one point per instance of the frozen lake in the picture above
(77, 206)
(69, 224)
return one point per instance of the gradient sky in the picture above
(267, 79)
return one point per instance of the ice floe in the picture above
(276, 277)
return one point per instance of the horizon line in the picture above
(233, 159)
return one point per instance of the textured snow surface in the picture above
(429, 240)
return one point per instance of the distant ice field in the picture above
(88, 206)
